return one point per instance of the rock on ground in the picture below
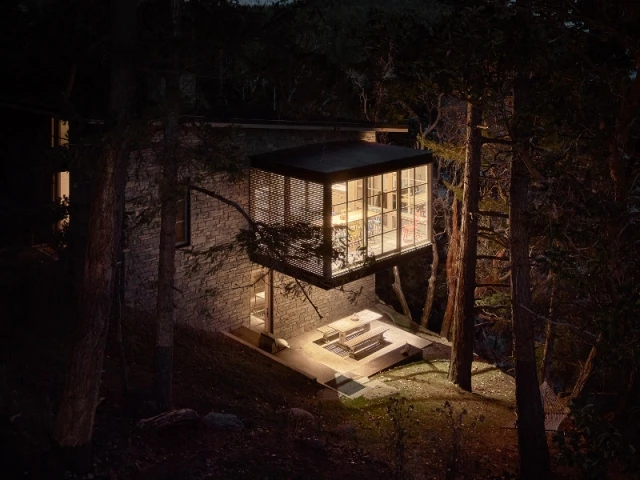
(299, 415)
(222, 421)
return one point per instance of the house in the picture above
(372, 201)
(33, 175)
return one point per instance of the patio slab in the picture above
(370, 362)
(332, 366)
(297, 359)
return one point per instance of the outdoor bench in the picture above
(327, 332)
(363, 341)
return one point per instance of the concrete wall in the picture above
(214, 291)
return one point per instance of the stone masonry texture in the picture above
(213, 277)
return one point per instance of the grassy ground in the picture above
(431, 430)
(436, 430)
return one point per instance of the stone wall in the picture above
(214, 291)
(294, 316)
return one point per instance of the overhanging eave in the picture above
(348, 276)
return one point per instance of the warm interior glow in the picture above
(61, 180)
(61, 193)
(64, 189)
(63, 133)
(372, 217)
(397, 215)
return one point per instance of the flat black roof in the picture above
(332, 162)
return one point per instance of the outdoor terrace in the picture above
(327, 362)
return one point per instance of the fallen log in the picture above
(171, 419)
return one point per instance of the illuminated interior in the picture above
(377, 216)
(370, 203)
(61, 183)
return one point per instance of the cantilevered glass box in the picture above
(370, 202)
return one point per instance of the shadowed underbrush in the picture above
(403, 436)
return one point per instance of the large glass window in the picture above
(374, 215)
(407, 218)
(421, 204)
(347, 218)
(379, 215)
(390, 212)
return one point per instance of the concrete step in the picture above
(300, 361)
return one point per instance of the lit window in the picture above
(396, 217)
(61, 183)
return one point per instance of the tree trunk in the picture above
(76, 414)
(397, 287)
(122, 356)
(532, 440)
(618, 161)
(452, 271)
(619, 169)
(165, 312)
(74, 423)
(627, 394)
(587, 369)
(118, 297)
(163, 364)
(550, 337)
(431, 289)
(464, 312)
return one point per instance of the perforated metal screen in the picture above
(280, 201)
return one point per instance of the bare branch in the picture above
(493, 237)
(500, 141)
(254, 226)
(434, 124)
(492, 307)
(308, 299)
(563, 324)
(231, 203)
(492, 257)
(492, 213)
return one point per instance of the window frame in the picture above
(388, 224)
